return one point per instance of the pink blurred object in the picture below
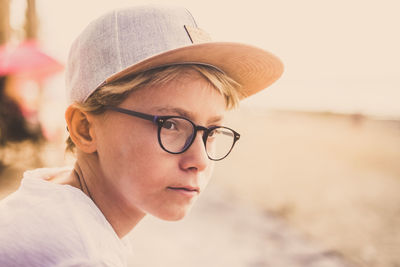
(28, 60)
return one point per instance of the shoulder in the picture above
(55, 223)
(34, 224)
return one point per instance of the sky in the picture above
(339, 56)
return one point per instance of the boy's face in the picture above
(136, 171)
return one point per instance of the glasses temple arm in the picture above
(134, 113)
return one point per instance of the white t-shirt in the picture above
(48, 224)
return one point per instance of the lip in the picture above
(189, 191)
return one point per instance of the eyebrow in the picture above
(187, 114)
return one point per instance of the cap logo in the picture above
(197, 35)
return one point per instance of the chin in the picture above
(175, 215)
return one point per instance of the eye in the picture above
(170, 125)
(219, 133)
(213, 134)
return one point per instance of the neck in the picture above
(93, 183)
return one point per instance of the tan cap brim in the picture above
(253, 68)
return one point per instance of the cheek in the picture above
(207, 175)
(145, 183)
(124, 150)
(136, 170)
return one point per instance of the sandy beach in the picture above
(334, 177)
(300, 189)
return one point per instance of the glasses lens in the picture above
(219, 143)
(176, 134)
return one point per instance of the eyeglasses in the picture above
(176, 134)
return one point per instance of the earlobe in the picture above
(79, 128)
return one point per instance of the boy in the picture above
(147, 91)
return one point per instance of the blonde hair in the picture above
(115, 93)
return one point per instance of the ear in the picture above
(80, 129)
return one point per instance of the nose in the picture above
(195, 158)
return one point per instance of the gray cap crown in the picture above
(122, 38)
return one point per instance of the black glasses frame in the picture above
(160, 120)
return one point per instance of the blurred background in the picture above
(320, 149)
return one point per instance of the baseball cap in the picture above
(131, 40)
